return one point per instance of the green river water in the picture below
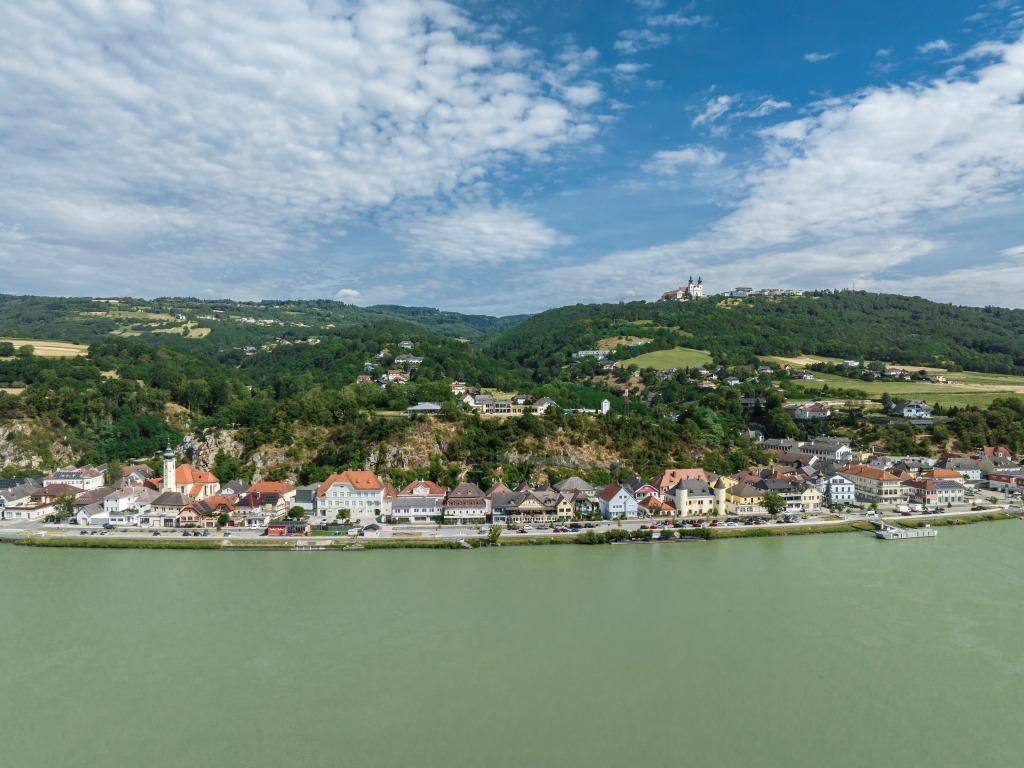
(835, 650)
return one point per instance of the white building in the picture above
(360, 492)
(616, 501)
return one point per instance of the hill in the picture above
(842, 324)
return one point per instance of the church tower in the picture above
(168, 483)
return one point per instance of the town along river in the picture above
(830, 650)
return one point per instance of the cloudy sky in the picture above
(510, 156)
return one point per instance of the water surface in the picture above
(831, 650)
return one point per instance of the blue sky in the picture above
(509, 157)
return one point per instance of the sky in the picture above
(507, 157)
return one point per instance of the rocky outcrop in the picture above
(25, 444)
(201, 450)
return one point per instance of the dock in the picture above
(890, 532)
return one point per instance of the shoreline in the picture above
(589, 538)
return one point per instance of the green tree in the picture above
(6, 349)
(63, 508)
(223, 519)
(493, 534)
(773, 503)
(296, 513)
(343, 515)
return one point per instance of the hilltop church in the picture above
(692, 290)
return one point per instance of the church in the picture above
(690, 291)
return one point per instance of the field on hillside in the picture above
(678, 357)
(969, 388)
(614, 341)
(51, 348)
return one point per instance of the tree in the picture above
(63, 509)
(296, 513)
(773, 503)
(223, 519)
(6, 349)
(343, 515)
(493, 534)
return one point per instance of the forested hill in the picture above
(845, 324)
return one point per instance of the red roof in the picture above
(433, 489)
(271, 486)
(872, 473)
(609, 491)
(359, 479)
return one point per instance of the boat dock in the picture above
(889, 532)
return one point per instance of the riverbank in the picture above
(586, 538)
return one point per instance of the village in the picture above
(816, 480)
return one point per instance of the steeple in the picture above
(168, 482)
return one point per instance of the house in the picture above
(666, 480)
(541, 506)
(694, 498)
(87, 478)
(205, 513)
(422, 408)
(421, 501)
(405, 344)
(359, 492)
(136, 474)
(935, 492)
(996, 454)
(576, 484)
(395, 376)
(164, 511)
(277, 487)
(466, 504)
(616, 501)
(256, 509)
(969, 469)
(828, 448)
(808, 411)
(91, 514)
(18, 498)
(743, 499)
(597, 354)
(408, 360)
(874, 485)
(652, 506)
(912, 409)
(836, 490)
(800, 498)
(364, 378)
(505, 503)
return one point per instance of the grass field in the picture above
(678, 357)
(967, 387)
(12, 390)
(613, 341)
(51, 348)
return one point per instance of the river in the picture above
(830, 650)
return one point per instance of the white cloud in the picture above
(348, 295)
(851, 193)
(202, 144)
(935, 46)
(632, 41)
(1015, 251)
(482, 234)
(766, 107)
(714, 108)
(675, 20)
(884, 53)
(629, 68)
(669, 162)
(815, 56)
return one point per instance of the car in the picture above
(206, 533)
(483, 531)
(524, 529)
(590, 525)
(154, 533)
(83, 533)
(574, 526)
(645, 527)
(714, 523)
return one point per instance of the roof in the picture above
(271, 486)
(671, 477)
(574, 483)
(170, 499)
(359, 479)
(694, 487)
(609, 492)
(498, 487)
(409, 502)
(186, 474)
(57, 489)
(433, 489)
(503, 499)
(872, 473)
(941, 473)
(466, 491)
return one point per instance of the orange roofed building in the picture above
(360, 492)
(186, 479)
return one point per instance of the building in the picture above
(421, 501)
(809, 411)
(359, 492)
(668, 479)
(186, 479)
(1006, 480)
(694, 498)
(163, 512)
(874, 485)
(287, 527)
(688, 292)
(84, 478)
(935, 492)
(912, 409)
(832, 449)
(466, 504)
(836, 490)
(616, 501)
(423, 408)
